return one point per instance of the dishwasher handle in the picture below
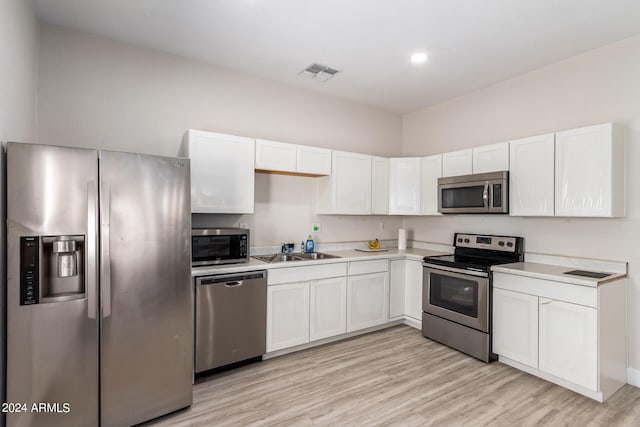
(231, 280)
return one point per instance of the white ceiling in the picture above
(471, 43)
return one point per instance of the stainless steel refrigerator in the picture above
(98, 286)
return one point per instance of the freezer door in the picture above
(146, 324)
(52, 345)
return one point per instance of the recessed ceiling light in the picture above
(418, 58)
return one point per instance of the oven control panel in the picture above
(478, 241)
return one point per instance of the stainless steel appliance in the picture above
(211, 246)
(98, 286)
(456, 294)
(231, 318)
(478, 193)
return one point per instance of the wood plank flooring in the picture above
(392, 377)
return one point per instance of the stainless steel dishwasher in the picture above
(231, 318)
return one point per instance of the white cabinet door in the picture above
(396, 288)
(287, 315)
(222, 172)
(313, 160)
(515, 326)
(491, 158)
(380, 186)
(590, 171)
(430, 171)
(457, 163)
(531, 176)
(569, 342)
(413, 290)
(350, 183)
(275, 156)
(367, 300)
(404, 186)
(328, 311)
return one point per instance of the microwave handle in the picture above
(485, 195)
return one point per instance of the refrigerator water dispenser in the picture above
(52, 269)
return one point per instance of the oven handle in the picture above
(456, 270)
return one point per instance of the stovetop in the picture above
(480, 252)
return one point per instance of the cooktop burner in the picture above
(480, 252)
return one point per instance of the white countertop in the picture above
(345, 256)
(555, 273)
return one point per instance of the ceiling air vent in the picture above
(318, 72)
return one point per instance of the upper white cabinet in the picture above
(491, 158)
(431, 170)
(590, 171)
(292, 158)
(404, 186)
(276, 156)
(457, 163)
(531, 176)
(380, 186)
(348, 189)
(313, 160)
(222, 172)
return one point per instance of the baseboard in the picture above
(633, 377)
(410, 321)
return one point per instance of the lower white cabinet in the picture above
(569, 342)
(367, 300)
(572, 335)
(328, 309)
(287, 315)
(413, 290)
(397, 280)
(515, 334)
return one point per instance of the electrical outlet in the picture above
(316, 227)
(382, 226)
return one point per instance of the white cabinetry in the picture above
(305, 304)
(515, 332)
(287, 315)
(457, 163)
(222, 172)
(569, 342)
(328, 313)
(397, 276)
(348, 189)
(413, 290)
(531, 176)
(572, 335)
(404, 186)
(380, 186)
(491, 158)
(313, 160)
(275, 156)
(292, 158)
(590, 171)
(367, 294)
(431, 170)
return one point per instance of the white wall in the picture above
(598, 86)
(94, 92)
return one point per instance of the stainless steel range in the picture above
(456, 294)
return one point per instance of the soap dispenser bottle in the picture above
(309, 246)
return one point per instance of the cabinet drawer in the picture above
(575, 294)
(366, 267)
(306, 273)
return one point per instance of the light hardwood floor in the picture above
(392, 377)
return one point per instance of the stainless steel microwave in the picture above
(211, 246)
(477, 193)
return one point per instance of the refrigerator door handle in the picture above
(105, 260)
(92, 268)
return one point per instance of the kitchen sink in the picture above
(293, 257)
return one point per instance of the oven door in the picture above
(460, 297)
